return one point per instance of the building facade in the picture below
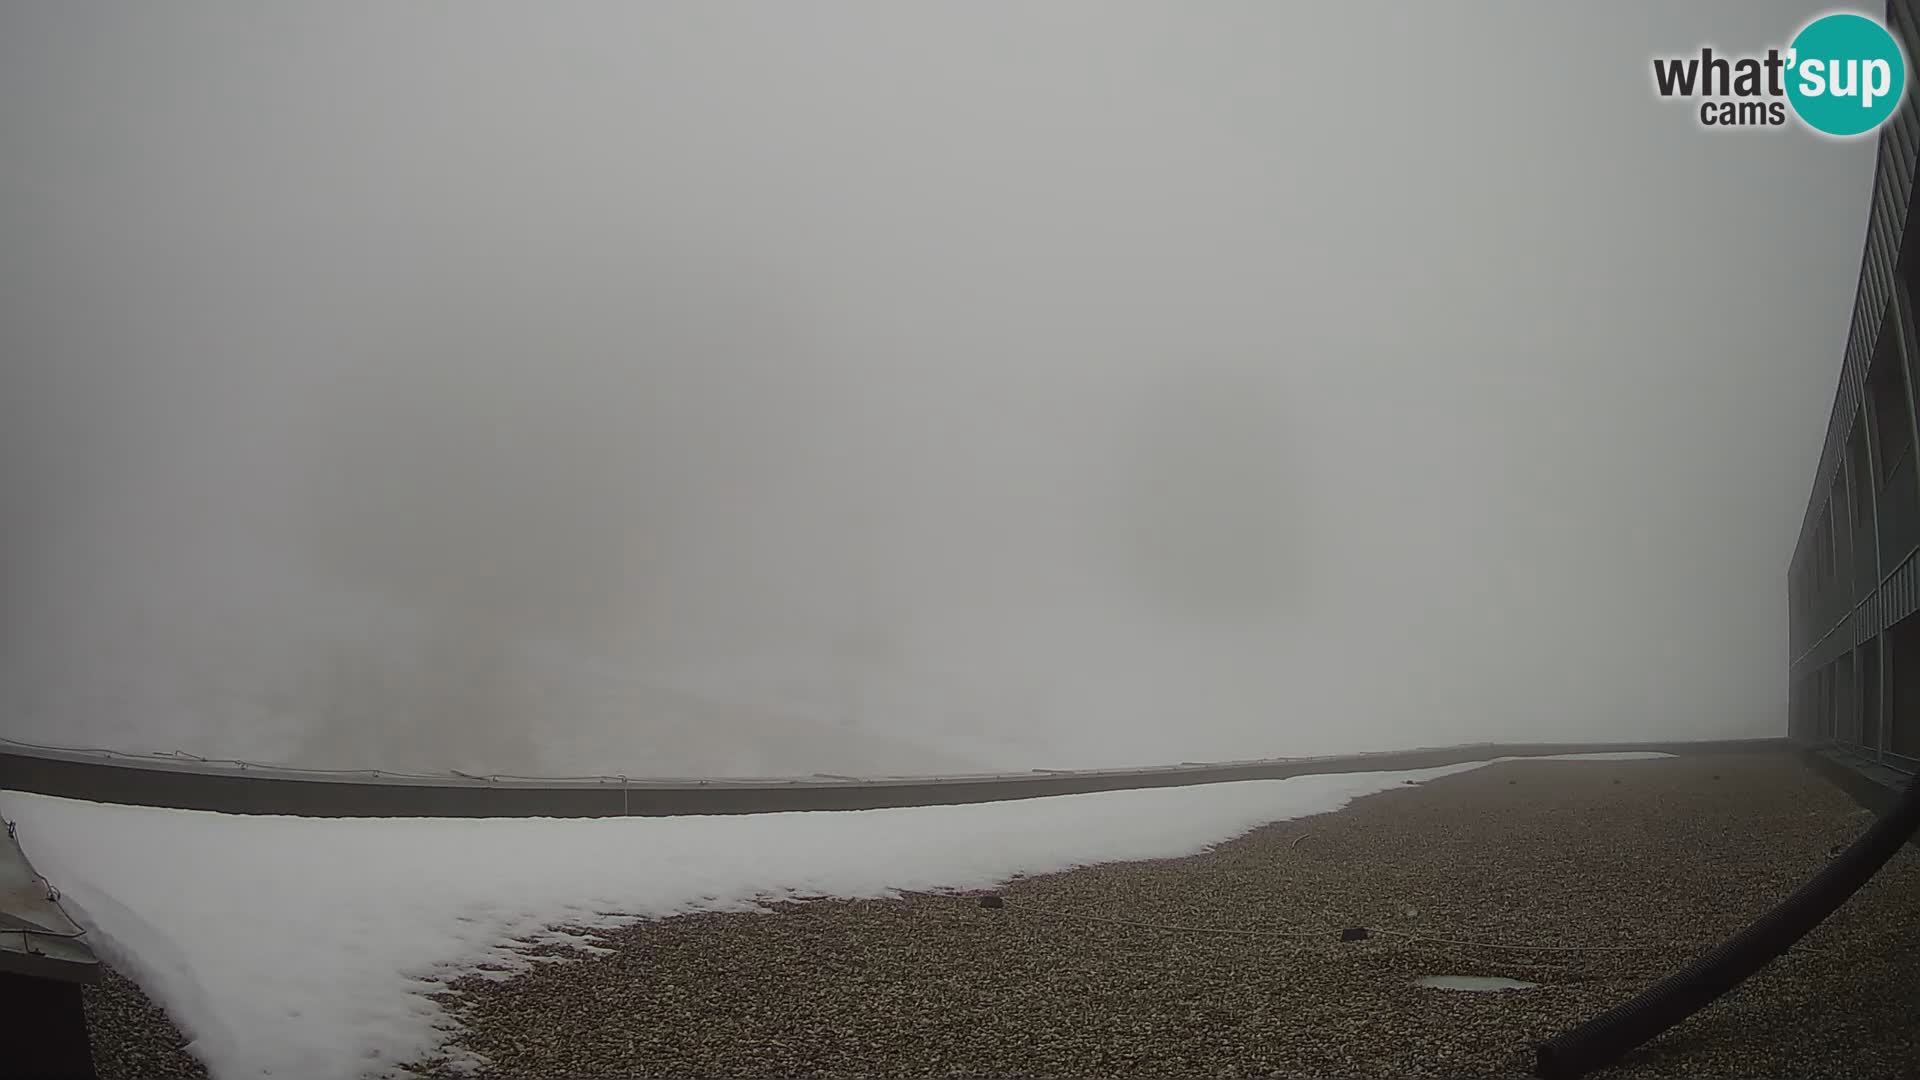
(1853, 586)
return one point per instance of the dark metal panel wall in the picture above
(1854, 573)
(1899, 520)
(1899, 514)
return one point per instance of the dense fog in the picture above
(726, 388)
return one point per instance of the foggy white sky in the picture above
(724, 387)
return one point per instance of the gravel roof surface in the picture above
(1667, 857)
(132, 1037)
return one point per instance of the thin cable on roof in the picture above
(53, 897)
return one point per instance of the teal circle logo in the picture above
(1846, 74)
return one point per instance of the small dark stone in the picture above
(1355, 933)
(992, 902)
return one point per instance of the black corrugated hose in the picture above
(1611, 1035)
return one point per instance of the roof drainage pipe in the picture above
(1611, 1035)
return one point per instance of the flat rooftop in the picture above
(1590, 879)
